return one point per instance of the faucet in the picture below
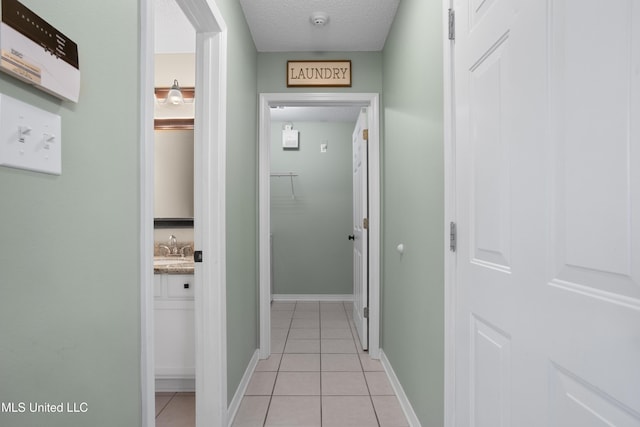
(173, 245)
(173, 249)
(186, 250)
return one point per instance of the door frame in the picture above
(209, 209)
(359, 233)
(450, 259)
(268, 100)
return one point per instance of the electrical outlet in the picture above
(30, 138)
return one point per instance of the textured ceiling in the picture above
(353, 25)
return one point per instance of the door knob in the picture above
(352, 237)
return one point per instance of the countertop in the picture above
(172, 265)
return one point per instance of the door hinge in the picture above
(197, 256)
(366, 312)
(452, 24)
(365, 223)
(365, 134)
(453, 237)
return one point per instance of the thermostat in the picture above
(33, 51)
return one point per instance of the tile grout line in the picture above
(358, 354)
(266, 414)
(166, 404)
(375, 413)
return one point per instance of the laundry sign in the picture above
(319, 73)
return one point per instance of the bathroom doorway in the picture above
(209, 207)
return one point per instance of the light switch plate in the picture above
(30, 138)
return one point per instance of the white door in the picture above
(360, 231)
(548, 209)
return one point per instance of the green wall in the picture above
(69, 257)
(413, 283)
(69, 300)
(311, 252)
(242, 207)
(366, 69)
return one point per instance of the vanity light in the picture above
(175, 94)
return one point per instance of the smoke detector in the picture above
(319, 19)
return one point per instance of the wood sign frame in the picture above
(309, 73)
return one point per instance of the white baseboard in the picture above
(242, 388)
(312, 297)
(412, 418)
(175, 384)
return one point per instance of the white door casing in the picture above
(547, 188)
(360, 233)
(209, 215)
(371, 101)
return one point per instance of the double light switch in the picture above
(30, 138)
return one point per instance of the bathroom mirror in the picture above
(173, 199)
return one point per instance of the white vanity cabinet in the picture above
(174, 332)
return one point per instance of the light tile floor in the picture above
(175, 409)
(318, 374)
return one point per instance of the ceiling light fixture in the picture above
(319, 19)
(175, 94)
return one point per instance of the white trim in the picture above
(375, 226)
(264, 227)
(209, 236)
(175, 372)
(313, 297)
(412, 418)
(370, 100)
(242, 388)
(210, 219)
(175, 384)
(147, 375)
(449, 216)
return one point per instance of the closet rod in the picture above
(278, 174)
(290, 175)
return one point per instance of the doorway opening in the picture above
(269, 101)
(209, 210)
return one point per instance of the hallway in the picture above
(317, 374)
